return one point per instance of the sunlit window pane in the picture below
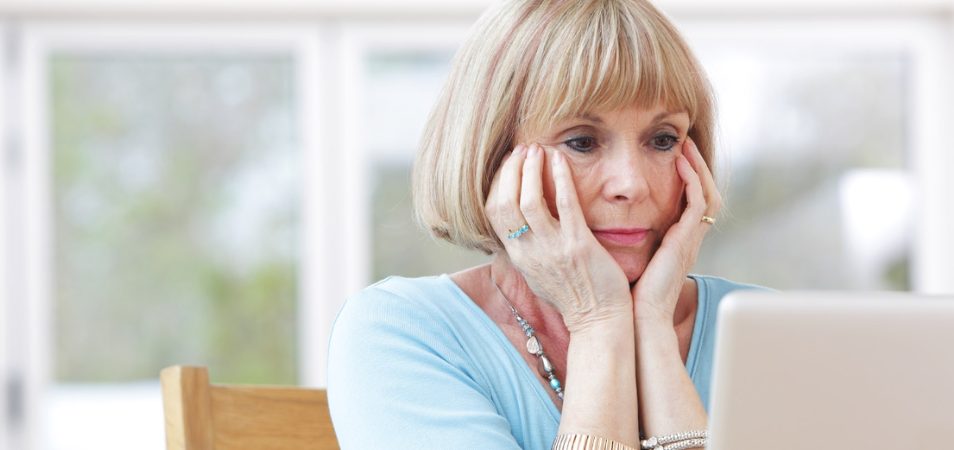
(401, 90)
(175, 216)
(815, 149)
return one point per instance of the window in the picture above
(402, 87)
(396, 74)
(817, 145)
(170, 180)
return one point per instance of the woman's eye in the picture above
(664, 142)
(581, 144)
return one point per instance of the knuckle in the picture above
(506, 205)
(716, 201)
(563, 201)
(573, 249)
(530, 205)
(518, 258)
(493, 209)
(570, 251)
(531, 265)
(698, 207)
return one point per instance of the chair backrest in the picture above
(203, 416)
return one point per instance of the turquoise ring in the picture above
(520, 231)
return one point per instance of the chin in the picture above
(633, 264)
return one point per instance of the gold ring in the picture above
(708, 220)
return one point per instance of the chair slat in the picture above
(187, 405)
(248, 418)
(257, 417)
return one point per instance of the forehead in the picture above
(625, 116)
(600, 56)
(632, 114)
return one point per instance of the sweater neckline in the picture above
(529, 376)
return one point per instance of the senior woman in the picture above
(572, 142)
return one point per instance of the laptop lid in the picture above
(833, 370)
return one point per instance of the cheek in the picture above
(672, 196)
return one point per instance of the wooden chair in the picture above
(203, 416)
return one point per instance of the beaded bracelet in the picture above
(587, 442)
(686, 444)
(681, 441)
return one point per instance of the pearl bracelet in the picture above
(681, 441)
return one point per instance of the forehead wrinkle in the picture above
(590, 117)
(667, 114)
(660, 117)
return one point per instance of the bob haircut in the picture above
(529, 64)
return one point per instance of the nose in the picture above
(626, 177)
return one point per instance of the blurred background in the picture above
(205, 182)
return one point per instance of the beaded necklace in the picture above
(533, 346)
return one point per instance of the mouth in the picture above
(622, 236)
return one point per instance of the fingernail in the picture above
(535, 151)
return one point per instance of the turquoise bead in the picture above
(554, 383)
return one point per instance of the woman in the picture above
(572, 142)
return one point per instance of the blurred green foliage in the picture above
(400, 246)
(820, 117)
(175, 215)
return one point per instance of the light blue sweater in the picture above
(415, 364)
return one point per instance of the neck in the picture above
(543, 316)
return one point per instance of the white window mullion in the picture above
(933, 160)
(5, 216)
(35, 229)
(315, 266)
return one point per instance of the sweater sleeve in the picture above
(399, 379)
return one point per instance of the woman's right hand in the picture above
(560, 259)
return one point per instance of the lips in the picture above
(622, 236)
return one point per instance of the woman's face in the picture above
(624, 170)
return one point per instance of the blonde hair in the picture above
(529, 64)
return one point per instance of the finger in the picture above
(532, 203)
(695, 198)
(503, 201)
(567, 203)
(710, 188)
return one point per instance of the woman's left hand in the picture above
(657, 290)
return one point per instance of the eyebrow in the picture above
(589, 117)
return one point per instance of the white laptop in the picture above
(815, 370)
